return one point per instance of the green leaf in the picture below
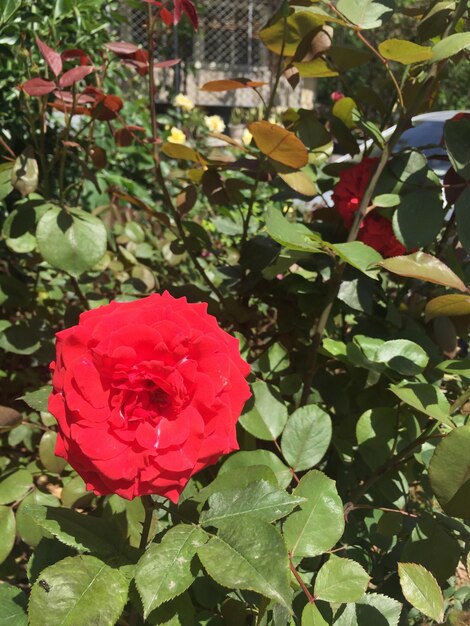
(433, 547)
(51, 462)
(7, 532)
(375, 433)
(27, 529)
(286, 33)
(306, 437)
(463, 218)
(77, 591)
(449, 472)
(85, 533)
(365, 13)
(418, 218)
(387, 200)
(457, 138)
(5, 168)
(424, 267)
(319, 525)
(421, 589)
(15, 486)
(451, 305)
(405, 52)
(79, 239)
(360, 256)
(7, 9)
(235, 479)
(167, 569)
(266, 415)
(258, 499)
(13, 603)
(177, 612)
(311, 616)
(371, 610)
(37, 400)
(403, 356)
(300, 181)
(341, 580)
(248, 459)
(426, 398)
(453, 44)
(290, 235)
(249, 555)
(318, 68)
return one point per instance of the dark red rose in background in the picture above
(146, 393)
(376, 230)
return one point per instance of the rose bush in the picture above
(376, 230)
(146, 393)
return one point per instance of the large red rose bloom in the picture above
(146, 393)
(376, 230)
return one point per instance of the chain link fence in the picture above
(226, 46)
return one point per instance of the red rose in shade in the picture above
(376, 230)
(146, 393)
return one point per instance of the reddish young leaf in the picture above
(190, 10)
(106, 107)
(139, 61)
(168, 63)
(76, 53)
(74, 75)
(121, 48)
(98, 157)
(64, 107)
(68, 97)
(50, 56)
(38, 87)
(167, 17)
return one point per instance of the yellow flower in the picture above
(214, 123)
(176, 136)
(181, 100)
(246, 137)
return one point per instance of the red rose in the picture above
(376, 230)
(146, 393)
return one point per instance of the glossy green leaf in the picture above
(300, 181)
(51, 462)
(343, 109)
(13, 604)
(426, 398)
(319, 524)
(234, 479)
(418, 218)
(463, 218)
(341, 580)
(421, 589)
(37, 400)
(318, 68)
(289, 234)
(372, 609)
(77, 591)
(405, 52)
(167, 569)
(449, 475)
(177, 612)
(360, 256)
(387, 200)
(450, 45)
(242, 557)
(457, 138)
(424, 267)
(28, 530)
(247, 459)
(82, 532)
(403, 356)
(285, 35)
(365, 13)
(7, 532)
(306, 437)
(266, 415)
(73, 491)
(14, 486)
(375, 433)
(258, 499)
(311, 616)
(79, 239)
